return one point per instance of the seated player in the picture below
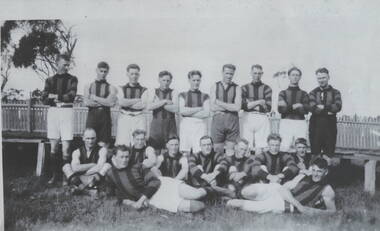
(301, 158)
(141, 152)
(272, 166)
(87, 162)
(207, 169)
(173, 164)
(140, 187)
(237, 166)
(311, 195)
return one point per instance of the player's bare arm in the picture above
(110, 101)
(101, 161)
(77, 166)
(87, 99)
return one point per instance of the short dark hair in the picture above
(103, 64)
(133, 66)
(122, 148)
(274, 136)
(257, 66)
(65, 57)
(229, 66)
(300, 141)
(172, 138)
(194, 72)
(294, 69)
(138, 132)
(322, 70)
(321, 163)
(206, 137)
(163, 73)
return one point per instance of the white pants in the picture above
(167, 197)
(126, 125)
(255, 128)
(60, 123)
(290, 130)
(190, 132)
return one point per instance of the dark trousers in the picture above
(99, 119)
(322, 134)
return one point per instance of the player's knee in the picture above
(235, 203)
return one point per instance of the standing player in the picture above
(194, 107)
(325, 102)
(164, 104)
(99, 97)
(293, 105)
(132, 100)
(257, 102)
(59, 93)
(225, 105)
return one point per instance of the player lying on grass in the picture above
(309, 195)
(87, 162)
(139, 187)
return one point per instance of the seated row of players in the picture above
(224, 102)
(272, 181)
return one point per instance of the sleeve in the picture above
(268, 98)
(286, 108)
(45, 92)
(244, 98)
(146, 180)
(222, 162)
(194, 170)
(305, 102)
(71, 92)
(313, 103)
(110, 187)
(257, 171)
(291, 165)
(336, 106)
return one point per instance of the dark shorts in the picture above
(160, 131)
(100, 120)
(225, 127)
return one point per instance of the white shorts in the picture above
(255, 128)
(126, 125)
(167, 197)
(290, 130)
(60, 123)
(190, 131)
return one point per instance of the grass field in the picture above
(31, 205)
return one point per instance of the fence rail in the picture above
(353, 132)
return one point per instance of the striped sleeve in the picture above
(71, 91)
(336, 106)
(257, 171)
(46, 91)
(268, 98)
(291, 165)
(193, 168)
(283, 109)
(305, 102)
(145, 180)
(244, 97)
(313, 102)
(222, 162)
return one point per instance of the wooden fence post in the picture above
(29, 115)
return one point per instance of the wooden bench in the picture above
(41, 153)
(370, 157)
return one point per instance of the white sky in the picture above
(183, 35)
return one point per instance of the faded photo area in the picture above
(220, 107)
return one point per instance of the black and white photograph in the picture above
(190, 115)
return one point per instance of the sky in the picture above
(183, 35)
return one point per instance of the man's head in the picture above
(194, 79)
(294, 75)
(89, 138)
(172, 145)
(274, 143)
(165, 79)
(319, 169)
(301, 146)
(133, 73)
(139, 138)
(241, 148)
(121, 156)
(206, 144)
(102, 70)
(256, 73)
(323, 77)
(63, 63)
(228, 71)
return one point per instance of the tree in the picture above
(6, 51)
(40, 43)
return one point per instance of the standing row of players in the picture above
(226, 99)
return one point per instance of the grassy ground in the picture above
(31, 205)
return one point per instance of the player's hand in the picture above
(301, 166)
(232, 176)
(239, 176)
(282, 103)
(93, 97)
(168, 102)
(52, 96)
(274, 179)
(260, 102)
(297, 105)
(320, 106)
